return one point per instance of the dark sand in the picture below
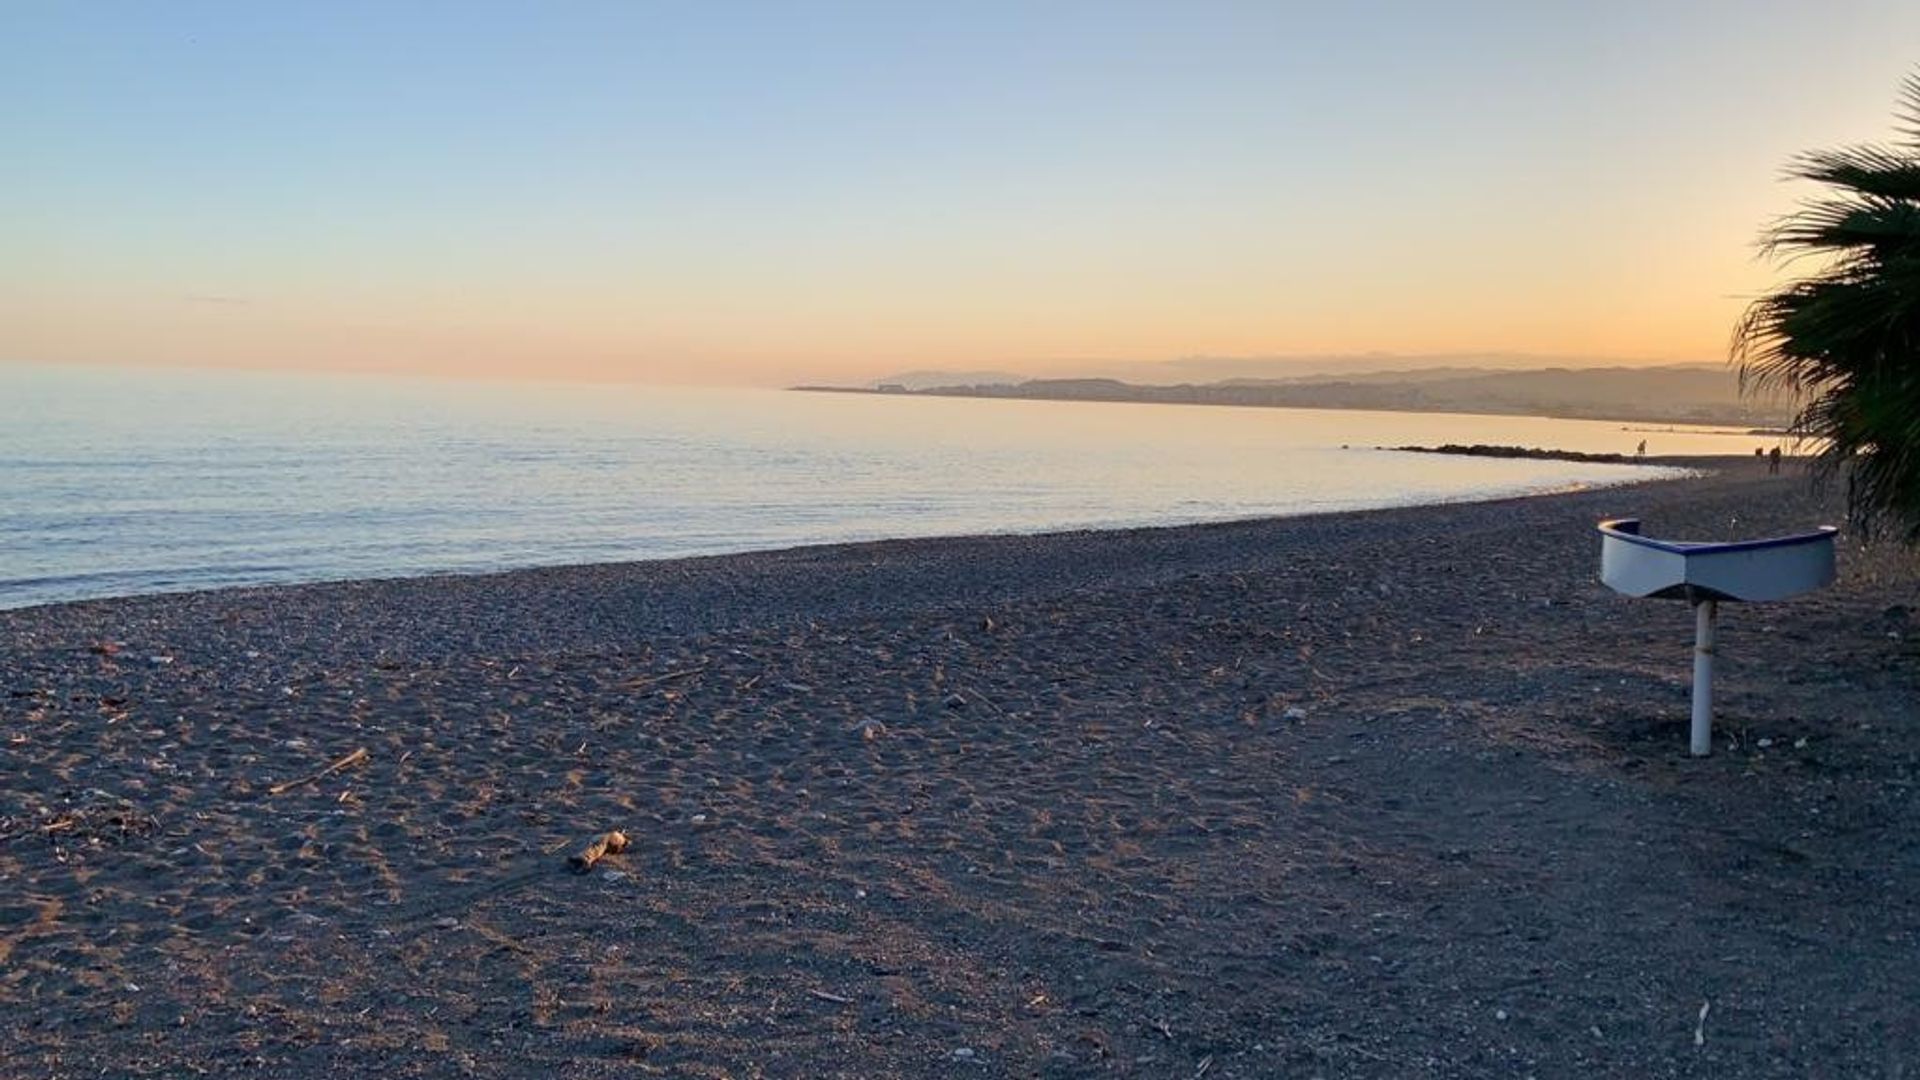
(1393, 794)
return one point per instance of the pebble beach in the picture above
(1384, 794)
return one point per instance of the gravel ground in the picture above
(1390, 794)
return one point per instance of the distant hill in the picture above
(927, 380)
(1414, 375)
(1207, 370)
(1678, 393)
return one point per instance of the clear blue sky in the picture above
(734, 191)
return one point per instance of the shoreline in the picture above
(1368, 794)
(1694, 463)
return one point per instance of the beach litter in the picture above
(347, 761)
(607, 843)
(646, 683)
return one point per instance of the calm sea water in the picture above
(116, 481)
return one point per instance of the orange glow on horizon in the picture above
(834, 200)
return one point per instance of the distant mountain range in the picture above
(933, 379)
(1202, 370)
(1674, 393)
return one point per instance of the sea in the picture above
(118, 481)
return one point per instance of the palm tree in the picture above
(1845, 340)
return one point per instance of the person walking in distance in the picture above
(1773, 461)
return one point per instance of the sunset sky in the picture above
(764, 193)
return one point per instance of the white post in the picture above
(1703, 614)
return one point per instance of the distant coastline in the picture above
(1678, 394)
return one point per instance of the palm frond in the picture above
(1868, 225)
(1844, 341)
(1908, 114)
(1880, 171)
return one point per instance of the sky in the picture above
(729, 192)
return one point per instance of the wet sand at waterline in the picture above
(1386, 794)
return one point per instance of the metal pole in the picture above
(1703, 615)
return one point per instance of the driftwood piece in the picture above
(607, 843)
(648, 682)
(347, 762)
